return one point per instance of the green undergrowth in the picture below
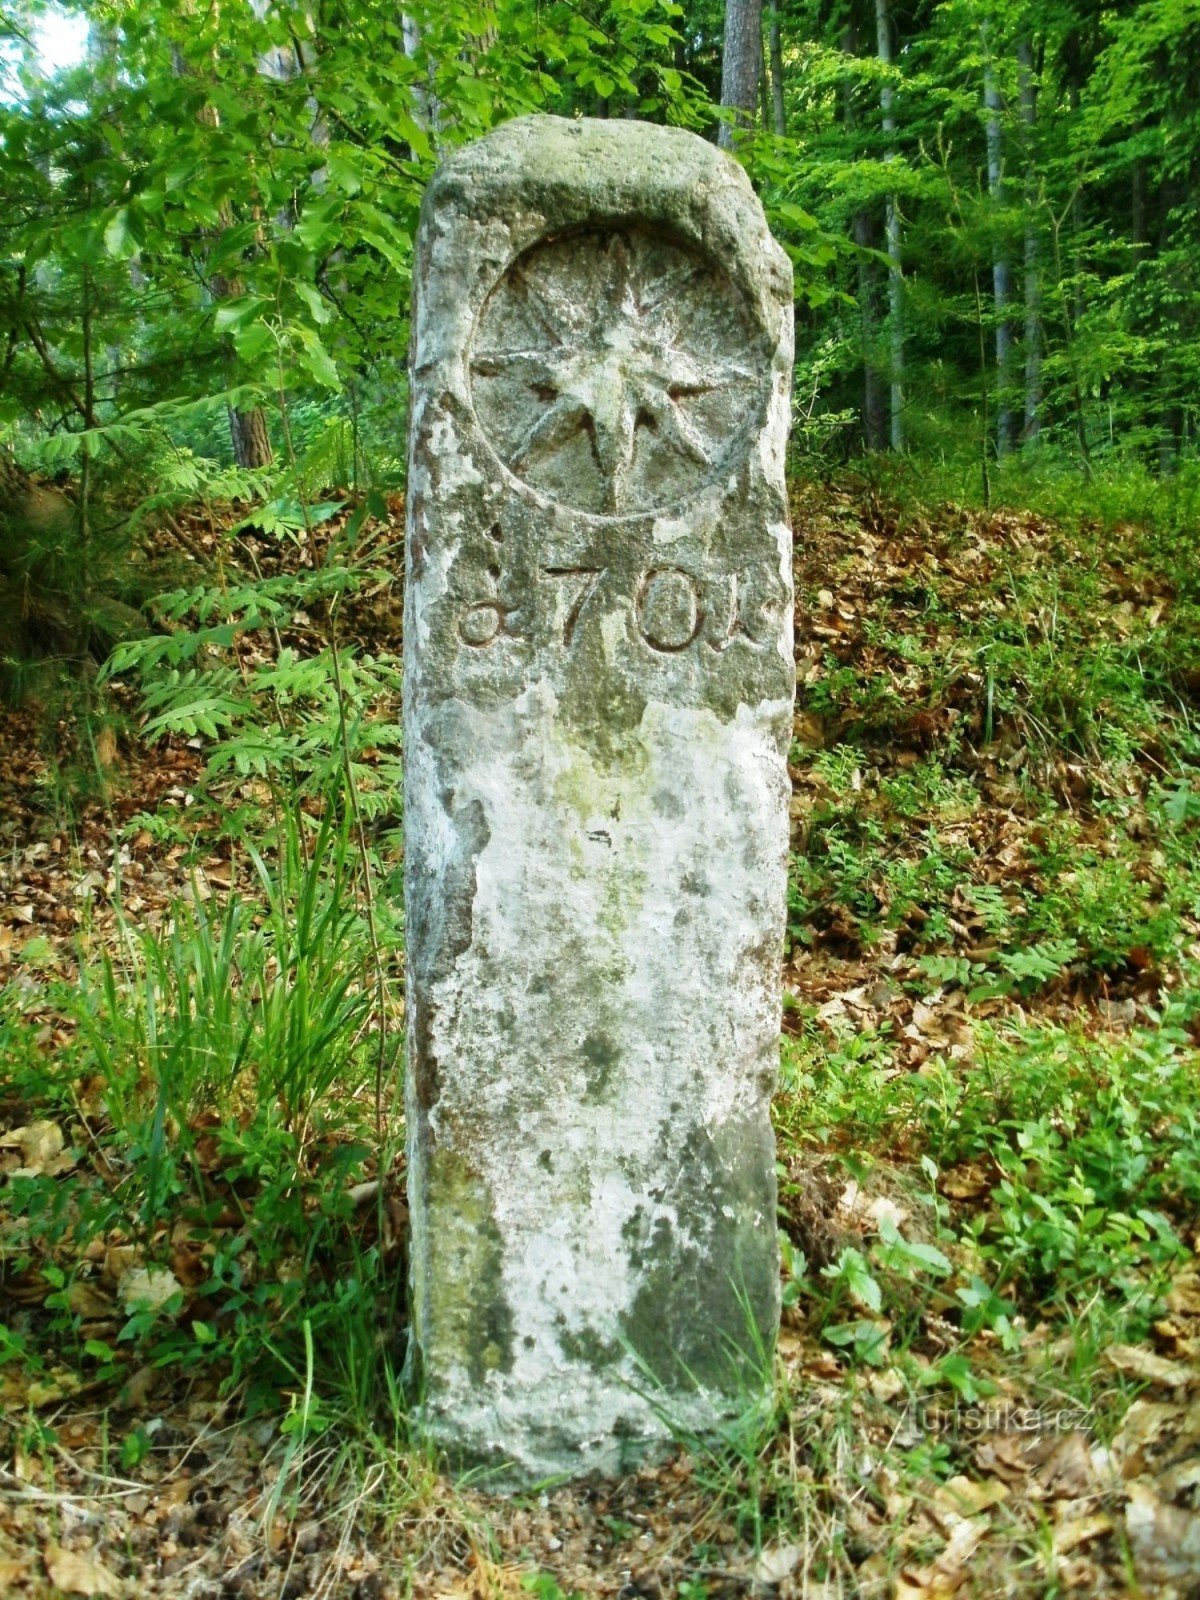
(1057, 1172)
(994, 899)
(1114, 490)
(997, 799)
(966, 1244)
(997, 758)
(203, 1181)
(989, 1113)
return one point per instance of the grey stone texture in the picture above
(599, 680)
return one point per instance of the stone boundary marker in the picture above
(598, 701)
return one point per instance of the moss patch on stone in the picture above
(469, 1319)
(718, 1254)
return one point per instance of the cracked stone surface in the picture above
(598, 694)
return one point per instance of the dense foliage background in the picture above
(991, 208)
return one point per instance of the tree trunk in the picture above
(28, 511)
(1172, 192)
(778, 108)
(1137, 204)
(875, 409)
(764, 87)
(1001, 276)
(864, 232)
(894, 235)
(16, 486)
(1078, 219)
(740, 68)
(248, 433)
(248, 436)
(247, 429)
(1033, 269)
(424, 101)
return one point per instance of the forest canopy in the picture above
(207, 219)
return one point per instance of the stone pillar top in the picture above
(539, 176)
(587, 170)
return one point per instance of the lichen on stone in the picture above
(597, 710)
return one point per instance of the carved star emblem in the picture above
(615, 365)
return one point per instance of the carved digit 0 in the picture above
(483, 623)
(669, 609)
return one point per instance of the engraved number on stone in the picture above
(585, 585)
(483, 623)
(669, 608)
(735, 627)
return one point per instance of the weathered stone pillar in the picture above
(598, 705)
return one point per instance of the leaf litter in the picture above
(863, 1486)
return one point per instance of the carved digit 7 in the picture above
(590, 577)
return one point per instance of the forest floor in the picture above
(988, 1376)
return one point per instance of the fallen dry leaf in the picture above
(39, 1143)
(147, 1288)
(1003, 1454)
(946, 1575)
(87, 1301)
(1183, 1297)
(137, 1389)
(76, 1572)
(1179, 1480)
(965, 1182)
(776, 1562)
(1071, 1532)
(104, 745)
(1080, 1575)
(118, 1260)
(962, 1497)
(1164, 1540)
(1137, 1362)
(924, 1584)
(1067, 1471)
(961, 1545)
(57, 1385)
(886, 1385)
(1181, 1337)
(1151, 1427)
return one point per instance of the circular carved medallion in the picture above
(616, 371)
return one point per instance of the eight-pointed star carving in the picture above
(617, 367)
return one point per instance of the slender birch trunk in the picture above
(1001, 274)
(423, 103)
(1033, 267)
(893, 232)
(778, 107)
(864, 230)
(764, 86)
